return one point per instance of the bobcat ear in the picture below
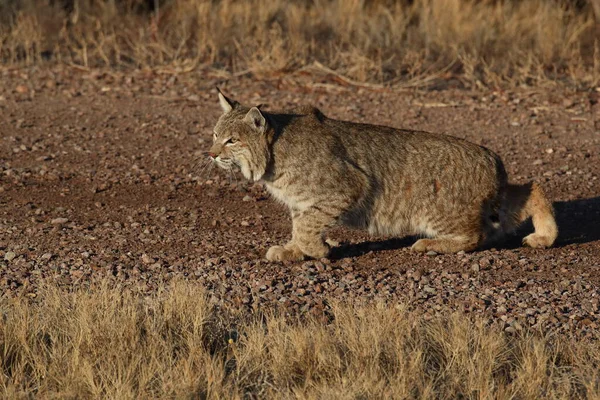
(226, 104)
(256, 120)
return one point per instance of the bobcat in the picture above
(389, 181)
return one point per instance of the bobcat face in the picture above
(228, 150)
(240, 140)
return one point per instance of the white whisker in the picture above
(204, 168)
(206, 175)
(200, 163)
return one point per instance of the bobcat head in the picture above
(240, 139)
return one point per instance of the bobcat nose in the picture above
(212, 155)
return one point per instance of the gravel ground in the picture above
(100, 177)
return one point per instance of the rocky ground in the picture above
(101, 178)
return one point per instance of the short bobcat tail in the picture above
(529, 200)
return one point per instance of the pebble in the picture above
(429, 289)
(431, 253)
(9, 256)
(59, 221)
(22, 89)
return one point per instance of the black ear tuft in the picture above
(226, 103)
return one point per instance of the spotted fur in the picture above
(388, 181)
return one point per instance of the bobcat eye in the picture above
(230, 141)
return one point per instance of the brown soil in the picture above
(99, 178)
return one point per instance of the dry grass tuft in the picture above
(393, 42)
(114, 343)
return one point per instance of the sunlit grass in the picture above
(113, 343)
(478, 42)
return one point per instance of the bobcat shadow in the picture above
(578, 222)
(347, 250)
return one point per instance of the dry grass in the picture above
(394, 42)
(114, 343)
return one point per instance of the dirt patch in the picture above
(99, 179)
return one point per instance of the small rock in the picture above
(247, 198)
(46, 256)
(59, 221)
(567, 103)
(22, 89)
(194, 97)
(9, 256)
(146, 259)
(538, 162)
(429, 289)
(416, 275)
(484, 263)
(431, 253)
(475, 267)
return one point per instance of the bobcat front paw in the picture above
(280, 253)
(537, 241)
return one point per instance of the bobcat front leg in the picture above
(308, 228)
